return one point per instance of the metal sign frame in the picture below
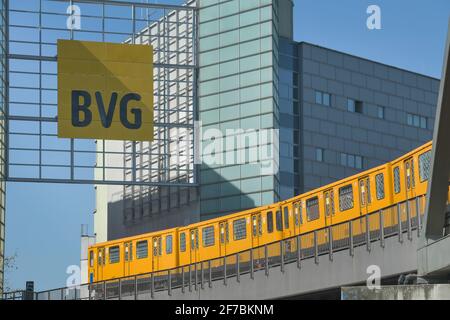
(36, 154)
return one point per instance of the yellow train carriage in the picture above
(332, 205)
(133, 255)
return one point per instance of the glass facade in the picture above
(238, 89)
(3, 108)
(289, 119)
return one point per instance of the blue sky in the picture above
(44, 220)
(412, 34)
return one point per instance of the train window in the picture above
(256, 225)
(128, 251)
(269, 217)
(91, 258)
(364, 191)
(239, 229)
(259, 224)
(279, 220)
(286, 217)
(346, 197)
(169, 244)
(329, 203)
(296, 212)
(114, 254)
(300, 212)
(194, 239)
(312, 209)
(425, 166)
(396, 179)
(101, 258)
(224, 234)
(142, 249)
(409, 166)
(182, 242)
(208, 236)
(157, 250)
(379, 182)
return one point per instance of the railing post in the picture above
(209, 274)
(419, 218)
(367, 232)
(48, 295)
(182, 279)
(169, 284)
(381, 229)
(225, 270)
(202, 276)
(104, 290)
(190, 278)
(89, 291)
(399, 217)
(316, 248)
(238, 274)
(266, 260)
(299, 250)
(408, 219)
(251, 264)
(62, 294)
(350, 232)
(135, 288)
(152, 287)
(330, 241)
(282, 249)
(196, 277)
(120, 289)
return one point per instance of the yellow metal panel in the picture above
(90, 74)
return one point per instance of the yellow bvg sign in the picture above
(105, 90)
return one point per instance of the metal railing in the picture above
(363, 231)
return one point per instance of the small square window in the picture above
(380, 113)
(423, 122)
(326, 99)
(318, 97)
(319, 154)
(358, 162)
(351, 160)
(351, 105)
(358, 107)
(416, 121)
(409, 119)
(343, 159)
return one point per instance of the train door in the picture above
(410, 182)
(329, 207)
(278, 224)
(297, 217)
(194, 245)
(224, 237)
(101, 259)
(256, 230)
(128, 257)
(156, 253)
(365, 197)
(91, 265)
(287, 221)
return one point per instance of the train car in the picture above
(333, 205)
(133, 255)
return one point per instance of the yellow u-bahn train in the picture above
(350, 198)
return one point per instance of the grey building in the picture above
(335, 114)
(357, 113)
